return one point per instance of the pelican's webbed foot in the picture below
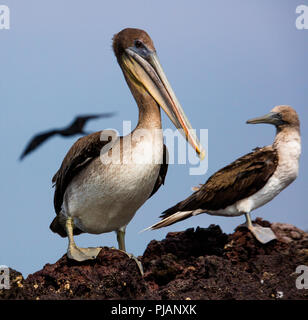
(139, 264)
(121, 243)
(82, 254)
(74, 252)
(131, 256)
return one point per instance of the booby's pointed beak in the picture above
(145, 70)
(271, 118)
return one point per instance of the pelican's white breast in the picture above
(105, 196)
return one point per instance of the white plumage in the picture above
(105, 197)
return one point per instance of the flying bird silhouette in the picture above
(76, 127)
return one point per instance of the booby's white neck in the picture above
(288, 144)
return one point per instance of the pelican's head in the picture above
(137, 57)
(280, 116)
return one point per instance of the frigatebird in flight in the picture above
(76, 127)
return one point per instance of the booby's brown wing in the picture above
(162, 172)
(239, 180)
(83, 151)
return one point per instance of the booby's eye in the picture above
(280, 120)
(138, 44)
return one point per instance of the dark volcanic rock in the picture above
(194, 264)
(113, 275)
(16, 284)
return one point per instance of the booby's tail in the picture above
(181, 211)
(176, 217)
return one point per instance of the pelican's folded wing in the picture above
(162, 172)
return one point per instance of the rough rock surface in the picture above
(194, 264)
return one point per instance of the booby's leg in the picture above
(262, 234)
(74, 252)
(121, 244)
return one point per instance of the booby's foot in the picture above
(262, 234)
(83, 254)
(131, 256)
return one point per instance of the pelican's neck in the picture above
(147, 146)
(149, 111)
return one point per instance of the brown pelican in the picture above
(249, 182)
(76, 127)
(95, 196)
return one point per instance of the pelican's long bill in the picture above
(148, 73)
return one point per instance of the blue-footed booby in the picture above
(95, 196)
(250, 181)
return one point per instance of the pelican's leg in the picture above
(74, 252)
(121, 238)
(121, 243)
(262, 234)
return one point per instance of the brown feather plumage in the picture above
(125, 39)
(239, 180)
(162, 172)
(83, 151)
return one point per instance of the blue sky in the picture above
(227, 61)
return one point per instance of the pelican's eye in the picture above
(138, 44)
(141, 49)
